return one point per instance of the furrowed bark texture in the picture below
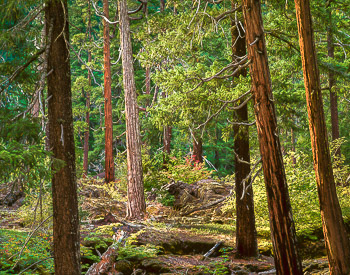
(280, 213)
(136, 206)
(109, 161)
(246, 238)
(87, 115)
(336, 239)
(66, 246)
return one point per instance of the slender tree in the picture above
(246, 238)
(331, 80)
(66, 247)
(335, 236)
(136, 206)
(109, 161)
(280, 213)
(87, 115)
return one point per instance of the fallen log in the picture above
(212, 250)
(209, 205)
(108, 259)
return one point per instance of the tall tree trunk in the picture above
(136, 206)
(246, 238)
(197, 156)
(167, 139)
(332, 82)
(87, 115)
(109, 161)
(167, 134)
(336, 239)
(66, 239)
(280, 213)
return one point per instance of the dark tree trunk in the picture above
(281, 220)
(246, 238)
(335, 236)
(332, 82)
(87, 115)
(66, 248)
(162, 5)
(197, 156)
(167, 139)
(136, 207)
(167, 133)
(109, 161)
(148, 80)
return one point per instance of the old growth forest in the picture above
(174, 137)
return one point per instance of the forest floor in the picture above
(171, 240)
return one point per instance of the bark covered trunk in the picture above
(87, 115)
(136, 206)
(280, 213)
(336, 239)
(332, 82)
(109, 161)
(66, 240)
(197, 156)
(246, 238)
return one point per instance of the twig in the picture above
(20, 69)
(27, 240)
(207, 205)
(34, 264)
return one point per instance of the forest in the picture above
(174, 137)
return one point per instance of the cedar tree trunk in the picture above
(281, 220)
(87, 115)
(197, 156)
(136, 207)
(66, 242)
(109, 161)
(336, 239)
(246, 238)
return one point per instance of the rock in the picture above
(154, 265)
(123, 266)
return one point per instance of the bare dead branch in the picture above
(20, 69)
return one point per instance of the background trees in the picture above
(184, 80)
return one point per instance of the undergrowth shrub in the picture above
(36, 209)
(303, 196)
(38, 248)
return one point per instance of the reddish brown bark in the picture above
(246, 238)
(336, 239)
(66, 248)
(197, 156)
(87, 115)
(109, 161)
(136, 206)
(332, 83)
(280, 213)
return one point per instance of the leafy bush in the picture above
(303, 196)
(38, 248)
